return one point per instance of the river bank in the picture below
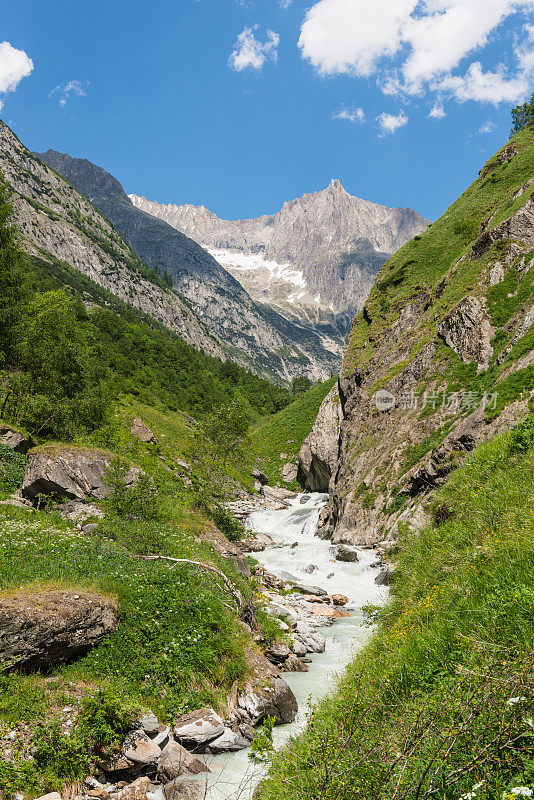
(299, 552)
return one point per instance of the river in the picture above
(233, 776)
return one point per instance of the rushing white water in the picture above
(233, 776)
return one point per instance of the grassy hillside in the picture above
(179, 645)
(439, 703)
(283, 433)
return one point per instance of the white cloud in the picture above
(251, 53)
(389, 123)
(284, 4)
(437, 111)
(350, 114)
(488, 127)
(487, 87)
(14, 66)
(66, 91)
(414, 45)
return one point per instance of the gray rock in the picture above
(42, 628)
(289, 472)
(319, 452)
(142, 431)
(278, 652)
(77, 511)
(140, 749)
(468, 331)
(162, 736)
(228, 742)
(148, 723)
(277, 494)
(199, 726)
(345, 553)
(180, 789)
(175, 761)
(299, 648)
(260, 476)
(14, 439)
(384, 576)
(75, 473)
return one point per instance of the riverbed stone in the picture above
(139, 748)
(340, 599)
(135, 791)
(199, 726)
(175, 761)
(180, 789)
(345, 553)
(228, 742)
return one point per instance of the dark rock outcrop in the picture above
(69, 472)
(40, 629)
(319, 452)
(14, 439)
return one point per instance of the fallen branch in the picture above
(238, 600)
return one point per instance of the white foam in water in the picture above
(234, 776)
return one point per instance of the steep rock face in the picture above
(319, 452)
(441, 356)
(314, 260)
(252, 335)
(56, 222)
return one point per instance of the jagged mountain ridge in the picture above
(56, 222)
(251, 335)
(439, 360)
(315, 259)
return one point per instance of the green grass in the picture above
(423, 710)
(423, 263)
(284, 432)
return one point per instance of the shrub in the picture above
(522, 436)
(11, 468)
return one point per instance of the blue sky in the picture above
(240, 105)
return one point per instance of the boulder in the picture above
(77, 511)
(135, 791)
(40, 629)
(384, 576)
(277, 494)
(294, 664)
(148, 723)
(14, 439)
(299, 648)
(142, 431)
(319, 452)
(50, 796)
(340, 599)
(228, 742)
(267, 694)
(289, 472)
(178, 789)
(468, 331)
(175, 761)
(74, 473)
(257, 544)
(345, 553)
(278, 652)
(139, 748)
(199, 727)
(260, 476)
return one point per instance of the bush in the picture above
(11, 468)
(522, 437)
(137, 501)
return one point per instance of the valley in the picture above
(218, 581)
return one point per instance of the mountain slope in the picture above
(314, 260)
(441, 356)
(57, 223)
(252, 335)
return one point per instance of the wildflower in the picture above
(521, 791)
(513, 700)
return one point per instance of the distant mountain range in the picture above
(314, 261)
